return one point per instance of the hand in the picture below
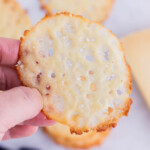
(19, 106)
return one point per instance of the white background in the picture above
(131, 133)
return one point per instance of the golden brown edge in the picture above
(49, 12)
(88, 145)
(108, 123)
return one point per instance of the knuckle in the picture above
(3, 79)
(1, 54)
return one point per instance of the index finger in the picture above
(9, 51)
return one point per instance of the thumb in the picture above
(17, 105)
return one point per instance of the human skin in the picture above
(20, 107)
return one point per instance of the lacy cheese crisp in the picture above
(79, 68)
(97, 10)
(13, 19)
(61, 135)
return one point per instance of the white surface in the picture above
(133, 132)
